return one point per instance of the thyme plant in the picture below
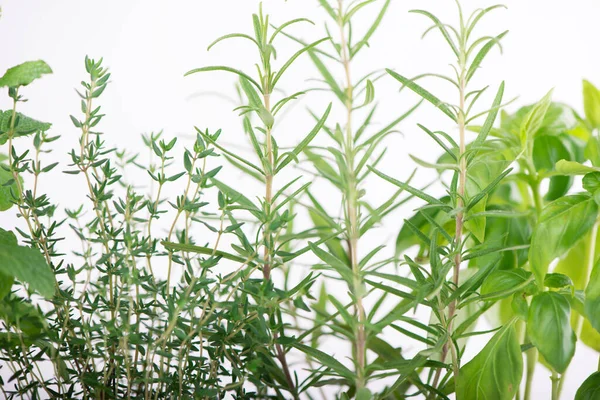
(184, 286)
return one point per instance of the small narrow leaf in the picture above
(487, 190)
(236, 196)
(293, 155)
(327, 76)
(370, 93)
(232, 35)
(289, 62)
(482, 53)
(365, 40)
(423, 93)
(442, 29)
(326, 360)
(338, 265)
(416, 192)
(226, 69)
(489, 121)
(204, 250)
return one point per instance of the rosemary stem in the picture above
(352, 211)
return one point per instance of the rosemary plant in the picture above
(344, 165)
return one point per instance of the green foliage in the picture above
(590, 388)
(26, 265)
(505, 280)
(24, 74)
(577, 265)
(565, 167)
(591, 104)
(182, 285)
(592, 297)
(495, 372)
(561, 224)
(550, 331)
(22, 125)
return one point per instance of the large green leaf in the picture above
(534, 120)
(494, 373)
(23, 125)
(591, 182)
(565, 167)
(590, 388)
(574, 265)
(591, 104)
(8, 237)
(591, 150)
(550, 330)
(559, 118)
(504, 280)
(561, 224)
(588, 335)
(547, 151)
(24, 74)
(27, 265)
(504, 232)
(6, 282)
(592, 297)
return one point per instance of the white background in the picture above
(149, 45)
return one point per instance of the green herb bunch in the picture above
(184, 286)
(112, 328)
(508, 214)
(115, 325)
(355, 146)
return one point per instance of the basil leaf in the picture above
(590, 388)
(494, 373)
(591, 104)
(549, 329)
(592, 298)
(562, 223)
